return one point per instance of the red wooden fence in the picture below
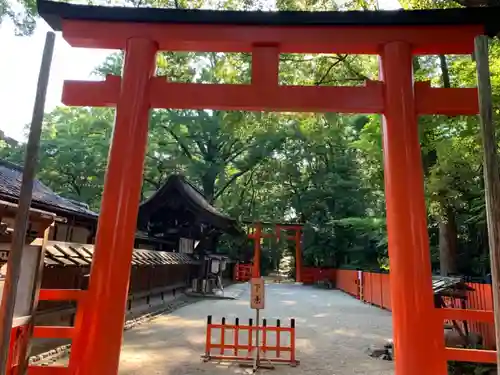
(375, 289)
(311, 275)
(482, 299)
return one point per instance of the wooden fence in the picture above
(154, 276)
(374, 288)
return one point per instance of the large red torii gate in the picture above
(395, 36)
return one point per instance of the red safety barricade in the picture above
(242, 272)
(235, 342)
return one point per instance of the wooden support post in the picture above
(491, 172)
(8, 300)
(104, 309)
(25, 349)
(418, 334)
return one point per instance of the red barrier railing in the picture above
(57, 331)
(312, 275)
(481, 298)
(235, 342)
(347, 280)
(309, 275)
(242, 272)
(375, 289)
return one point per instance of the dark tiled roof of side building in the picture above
(43, 197)
(73, 254)
(193, 200)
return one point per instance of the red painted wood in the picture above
(61, 294)
(416, 334)
(290, 39)
(463, 314)
(442, 101)
(97, 351)
(48, 370)
(367, 99)
(53, 332)
(470, 355)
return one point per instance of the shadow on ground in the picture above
(333, 331)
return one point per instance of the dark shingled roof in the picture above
(73, 254)
(54, 13)
(194, 201)
(43, 197)
(443, 284)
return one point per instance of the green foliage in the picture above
(325, 170)
(22, 13)
(74, 147)
(469, 368)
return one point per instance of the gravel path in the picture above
(333, 331)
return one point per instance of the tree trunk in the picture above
(208, 182)
(447, 224)
(448, 243)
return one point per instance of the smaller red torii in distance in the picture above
(255, 233)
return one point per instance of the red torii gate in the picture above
(395, 36)
(256, 235)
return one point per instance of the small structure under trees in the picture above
(179, 217)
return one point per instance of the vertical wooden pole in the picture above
(418, 333)
(26, 347)
(104, 313)
(256, 250)
(491, 173)
(8, 300)
(298, 257)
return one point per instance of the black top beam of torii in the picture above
(55, 12)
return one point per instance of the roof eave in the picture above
(57, 210)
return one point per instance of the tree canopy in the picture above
(322, 169)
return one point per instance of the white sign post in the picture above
(257, 297)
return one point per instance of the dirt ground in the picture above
(333, 332)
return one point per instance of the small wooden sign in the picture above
(257, 293)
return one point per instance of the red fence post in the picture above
(222, 336)
(208, 341)
(236, 335)
(292, 341)
(278, 339)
